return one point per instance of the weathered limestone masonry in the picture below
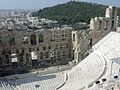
(83, 40)
(81, 45)
(100, 26)
(20, 50)
(28, 49)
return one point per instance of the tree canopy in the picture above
(72, 12)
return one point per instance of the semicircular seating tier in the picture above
(97, 65)
(94, 67)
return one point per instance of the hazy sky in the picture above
(37, 4)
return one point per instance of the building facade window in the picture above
(58, 54)
(12, 41)
(67, 45)
(47, 54)
(27, 57)
(113, 13)
(37, 48)
(40, 36)
(63, 35)
(53, 36)
(21, 58)
(30, 49)
(49, 47)
(100, 25)
(3, 52)
(9, 52)
(106, 25)
(23, 51)
(73, 55)
(64, 52)
(90, 42)
(33, 40)
(0, 42)
(61, 46)
(17, 51)
(56, 47)
(73, 37)
(44, 48)
(41, 55)
(0, 61)
(112, 26)
(7, 59)
(25, 40)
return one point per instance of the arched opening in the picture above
(21, 57)
(40, 36)
(90, 43)
(25, 40)
(0, 61)
(0, 42)
(112, 25)
(7, 59)
(3, 52)
(9, 52)
(27, 57)
(100, 25)
(33, 40)
(73, 37)
(17, 51)
(12, 41)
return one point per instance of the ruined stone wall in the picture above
(42, 42)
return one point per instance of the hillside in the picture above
(72, 12)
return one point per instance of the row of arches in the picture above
(6, 58)
(33, 39)
(21, 57)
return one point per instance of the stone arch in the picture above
(33, 39)
(12, 41)
(40, 38)
(21, 59)
(0, 61)
(90, 42)
(9, 52)
(7, 59)
(3, 52)
(25, 39)
(17, 51)
(27, 57)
